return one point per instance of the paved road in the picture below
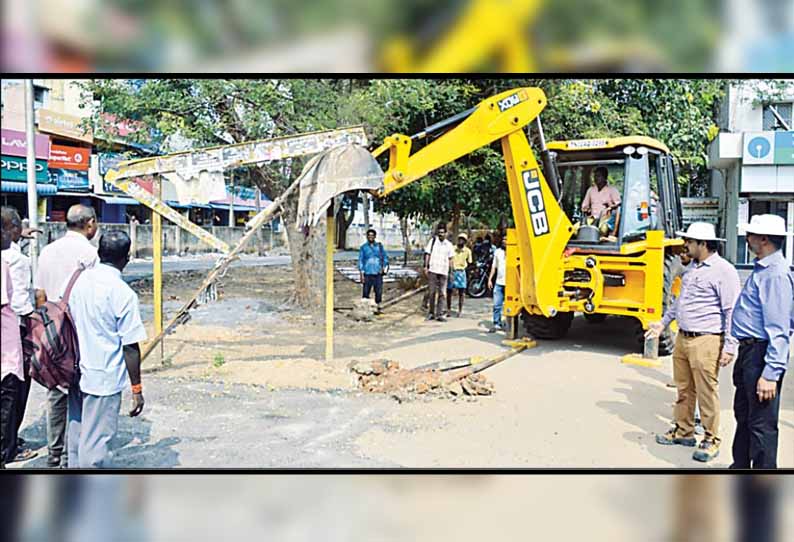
(195, 423)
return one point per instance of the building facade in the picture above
(73, 156)
(752, 165)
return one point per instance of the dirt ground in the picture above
(243, 384)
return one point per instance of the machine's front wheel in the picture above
(540, 327)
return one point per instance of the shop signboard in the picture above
(61, 124)
(108, 161)
(768, 148)
(784, 148)
(64, 157)
(15, 168)
(70, 180)
(15, 144)
(700, 210)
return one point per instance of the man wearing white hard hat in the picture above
(763, 322)
(709, 288)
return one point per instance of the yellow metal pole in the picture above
(330, 234)
(157, 257)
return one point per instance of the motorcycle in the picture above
(477, 279)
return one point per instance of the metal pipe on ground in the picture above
(402, 297)
(457, 374)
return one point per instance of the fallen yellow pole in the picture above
(330, 234)
(157, 260)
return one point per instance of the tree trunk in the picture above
(406, 239)
(365, 199)
(307, 251)
(343, 221)
(455, 222)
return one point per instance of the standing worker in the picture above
(57, 263)
(709, 288)
(11, 367)
(438, 262)
(763, 322)
(22, 305)
(498, 270)
(460, 262)
(373, 264)
(109, 327)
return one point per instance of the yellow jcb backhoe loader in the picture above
(556, 266)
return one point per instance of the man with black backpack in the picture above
(373, 264)
(109, 327)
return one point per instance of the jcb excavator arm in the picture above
(542, 228)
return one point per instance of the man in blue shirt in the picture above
(763, 321)
(109, 327)
(373, 263)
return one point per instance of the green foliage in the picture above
(678, 112)
(218, 360)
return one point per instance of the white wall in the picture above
(739, 114)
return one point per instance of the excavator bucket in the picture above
(334, 172)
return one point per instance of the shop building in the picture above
(752, 166)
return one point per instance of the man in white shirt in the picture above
(57, 263)
(22, 304)
(109, 327)
(498, 268)
(438, 261)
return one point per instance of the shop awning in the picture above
(117, 200)
(17, 187)
(237, 207)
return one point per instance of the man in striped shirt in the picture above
(709, 288)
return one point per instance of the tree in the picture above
(680, 113)
(410, 105)
(217, 111)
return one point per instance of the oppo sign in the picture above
(15, 169)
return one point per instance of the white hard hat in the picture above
(765, 225)
(700, 231)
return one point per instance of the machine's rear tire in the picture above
(594, 318)
(672, 269)
(540, 327)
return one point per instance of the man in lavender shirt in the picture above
(709, 288)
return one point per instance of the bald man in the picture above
(57, 263)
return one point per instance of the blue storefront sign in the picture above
(70, 180)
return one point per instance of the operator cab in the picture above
(642, 172)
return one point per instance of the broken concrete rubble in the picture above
(386, 376)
